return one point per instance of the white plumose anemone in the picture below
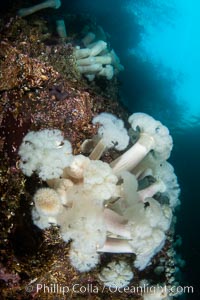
(46, 153)
(116, 274)
(153, 136)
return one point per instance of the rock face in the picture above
(39, 88)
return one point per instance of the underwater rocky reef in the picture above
(88, 199)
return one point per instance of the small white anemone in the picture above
(47, 202)
(116, 274)
(111, 133)
(46, 153)
(99, 181)
(77, 167)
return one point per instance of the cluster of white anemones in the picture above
(90, 199)
(95, 59)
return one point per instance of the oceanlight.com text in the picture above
(61, 289)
